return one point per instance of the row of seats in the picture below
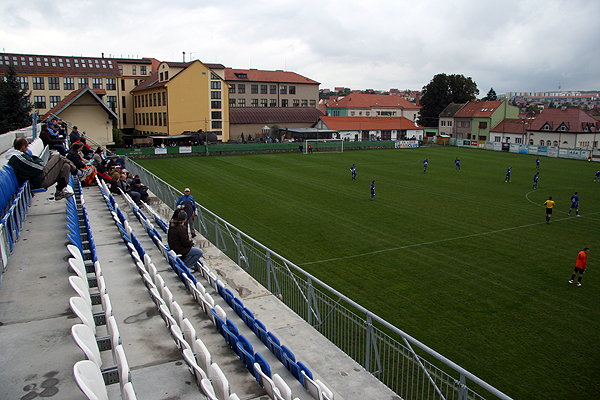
(208, 375)
(98, 331)
(256, 364)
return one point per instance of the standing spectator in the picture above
(535, 179)
(549, 206)
(180, 243)
(580, 265)
(188, 204)
(353, 169)
(32, 168)
(372, 190)
(53, 143)
(75, 135)
(575, 204)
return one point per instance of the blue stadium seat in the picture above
(264, 365)
(261, 331)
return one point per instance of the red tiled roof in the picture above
(271, 115)
(360, 100)
(75, 95)
(574, 118)
(255, 75)
(476, 109)
(512, 125)
(53, 65)
(150, 82)
(368, 123)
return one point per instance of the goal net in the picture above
(323, 145)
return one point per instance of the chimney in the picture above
(184, 56)
(417, 96)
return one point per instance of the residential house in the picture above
(372, 105)
(475, 119)
(182, 97)
(372, 128)
(570, 127)
(446, 120)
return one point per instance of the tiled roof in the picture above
(512, 125)
(479, 109)
(360, 100)
(255, 75)
(369, 123)
(574, 118)
(150, 82)
(74, 95)
(271, 115)
(53, 65)
(451, 110)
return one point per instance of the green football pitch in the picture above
(462, 261)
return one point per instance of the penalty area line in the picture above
(425, 243)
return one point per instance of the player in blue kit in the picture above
(353, 169)
(425, 165)
(457, 164)
(537, 163)
(535, 179)
(372, 190)
(507, 179)
(575, 204)
(597, 177)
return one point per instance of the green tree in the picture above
(344, 92)
(441, 91)
(276, 132)
(15, 107)
(118, 137)
(491, 95)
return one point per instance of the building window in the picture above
(367, 113)
(497, 139)
(352, 113)
(111, 84)
(254, 102)
(162, 77)
(53, 83)
(38, 83)
(155, 120)
(241, 88)
(272, 102)
(213, 76)
(165, 119)
(232, 88)
(148, 115)
(23, 82)
(96, 83)
(154, 99)
(164, 98)
(283, 89)
(231, 102)
(313, 103)
(482, 124)
(467, 124)
(166, 75)
(122, 84)
(241, 102)
(136, 119)
(296, 103)
(124, 119)
(442, 123)
(215, 104)
(69, 83)
(449, 123)
(518, 140)
(305, 104)
(215, 85)
(133, 70)
(263, 89)
(273, 89)
(254, 89)
(292, 90)
(123, 104)
(142, 70)
(284, 102)
(146, 100)
(39, 101)
(215, 115)
(263, 102)
(159, 119)
(217, 124)
(215, 95)
(54, 100)
(111, 101)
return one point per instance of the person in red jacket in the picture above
(580, 265)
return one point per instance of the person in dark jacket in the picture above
(122, 184)
(52, 143)
(87, 171)
(75, 135)
(32, 168)
(180, 243)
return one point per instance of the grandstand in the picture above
(92, 302)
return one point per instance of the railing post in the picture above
(368, 344)
(269, 268)
(462, 390)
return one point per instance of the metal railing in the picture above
(405, 365)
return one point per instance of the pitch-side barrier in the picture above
(405, 365)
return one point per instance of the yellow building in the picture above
(182, 97)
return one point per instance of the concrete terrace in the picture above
(38, 352)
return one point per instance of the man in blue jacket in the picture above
(188, 204)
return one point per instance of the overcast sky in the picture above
(510, 45)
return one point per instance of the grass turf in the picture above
(462, 261)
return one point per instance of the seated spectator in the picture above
(141, 189)
(32, 168)
(105, 176)
(53, 143)
(115, 171)
(97, 158)
(181, 244)
(88, 172)
(122, 184)
(130, 178)
(86, 150)
(112, 162)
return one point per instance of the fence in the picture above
(405, 365)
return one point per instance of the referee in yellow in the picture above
(549, 206)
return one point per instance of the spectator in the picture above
(141, 189)
(53, 143)
(122, 184)
(188, 204)
(97, 159)
(75, 135)
(181, 244)
(112, 162)
(86, 149)
(32, 168)
(115, 172)
(87, 171)
(105, 176)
